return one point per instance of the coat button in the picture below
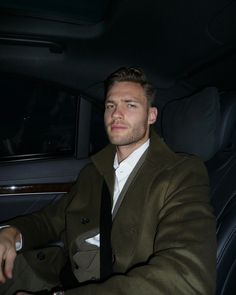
(40, 255)
(85, 220)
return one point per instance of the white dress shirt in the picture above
(122, 172)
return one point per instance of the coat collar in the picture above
(158, 155)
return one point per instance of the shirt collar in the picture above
(133, 158)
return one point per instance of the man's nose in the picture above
(117, 112)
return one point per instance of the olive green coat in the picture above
(163, 235)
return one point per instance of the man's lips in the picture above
(116, 127)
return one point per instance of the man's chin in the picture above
(121, 142)
(115, 138)
(117, 141)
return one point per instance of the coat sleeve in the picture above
(45, 226)
(183, 261)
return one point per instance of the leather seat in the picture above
(222, 174)
(204, 124)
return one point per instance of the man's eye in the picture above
(131, 105)
(109, 106)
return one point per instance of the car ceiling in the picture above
(182, 45)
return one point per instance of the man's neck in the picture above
(124, 151)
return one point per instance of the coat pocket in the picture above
(46, 262)
(87, 258)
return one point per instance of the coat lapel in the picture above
(127, 184)
(128, 219)
(134, 208)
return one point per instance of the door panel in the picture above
(15, 205)
(28, 187)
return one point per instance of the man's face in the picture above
(127, 114)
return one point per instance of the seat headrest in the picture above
(191, 124)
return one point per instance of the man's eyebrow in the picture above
(126, 100)
(131, 100)
(109, 101)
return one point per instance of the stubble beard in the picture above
(134, 136)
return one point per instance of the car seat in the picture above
(204, 124)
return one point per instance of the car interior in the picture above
(54, 57)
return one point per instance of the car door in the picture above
(44, 143)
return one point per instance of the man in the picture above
(163, 229)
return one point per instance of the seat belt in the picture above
(105, 233)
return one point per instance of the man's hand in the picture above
(8, 238)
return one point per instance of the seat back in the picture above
(222, 174)
(204, 125)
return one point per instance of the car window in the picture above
(36, 118)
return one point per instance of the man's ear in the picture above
(152, 115)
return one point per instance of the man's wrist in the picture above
(18, 236)
(57, 292)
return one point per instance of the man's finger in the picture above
(9, 263)
(2, 265)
